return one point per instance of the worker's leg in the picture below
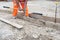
(26, 14)
(26, 11)
(15, 10)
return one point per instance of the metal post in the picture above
(56, 13)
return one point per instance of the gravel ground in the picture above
(8, 32)
(28, 32)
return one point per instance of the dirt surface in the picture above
(28, 32)
(46, 18)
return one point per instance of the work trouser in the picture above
(15, 9)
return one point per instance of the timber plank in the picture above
(11, 23)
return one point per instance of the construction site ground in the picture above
(32, 29)
(29, 31)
